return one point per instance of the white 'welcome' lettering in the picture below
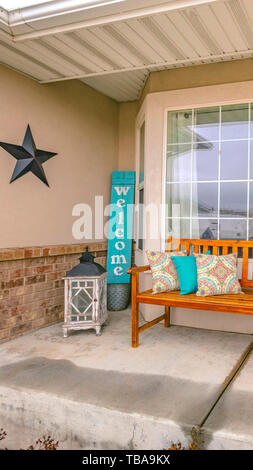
(122, 190)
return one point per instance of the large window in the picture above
(209, 173)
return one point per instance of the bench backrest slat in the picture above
(187, 247)
(245, 264)
(218, 247)
(215, 250)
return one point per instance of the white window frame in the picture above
(231, 102)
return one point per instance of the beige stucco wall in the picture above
(127, 116)
(69, 118)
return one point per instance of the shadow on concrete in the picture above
(182, 401)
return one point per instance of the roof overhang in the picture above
(65, 12)
(114, 44)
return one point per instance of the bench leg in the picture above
(135, 325)
(135, 312)
(167, 317)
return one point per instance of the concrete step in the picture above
(93, 392)
(230, 423)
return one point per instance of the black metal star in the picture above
(28, 157)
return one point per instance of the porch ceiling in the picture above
(115, 52)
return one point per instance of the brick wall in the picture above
(31, 286)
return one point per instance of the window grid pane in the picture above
(203, 168)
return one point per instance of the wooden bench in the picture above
(238, 303)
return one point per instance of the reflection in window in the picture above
(233, 199)
(206, 122)
(180, 127)
(179, 162)
(232, 153)
(206, 162)
(233, 229)
(142, 139)
(251, 229)
(251, 154)
(205, 200)
(251, 121)
(178, 198)
(235, 122)
(140, 235)
(205, 229)
(180, 228)
(209, 171)
(251, 199)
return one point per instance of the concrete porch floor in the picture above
(93, 392)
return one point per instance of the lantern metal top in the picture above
(87, 267)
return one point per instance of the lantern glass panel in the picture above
(89, 291)
(81, 300)
(102, 292)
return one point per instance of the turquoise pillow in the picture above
(187, 273)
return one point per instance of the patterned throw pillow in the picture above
(217, 275)
(164, 273)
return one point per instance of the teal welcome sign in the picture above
(120, 227)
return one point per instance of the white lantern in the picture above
(85, 296)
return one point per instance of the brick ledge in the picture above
(13, 254)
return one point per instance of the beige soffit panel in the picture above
(115, 53)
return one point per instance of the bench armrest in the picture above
(138, 269)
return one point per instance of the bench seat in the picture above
(237, 303)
